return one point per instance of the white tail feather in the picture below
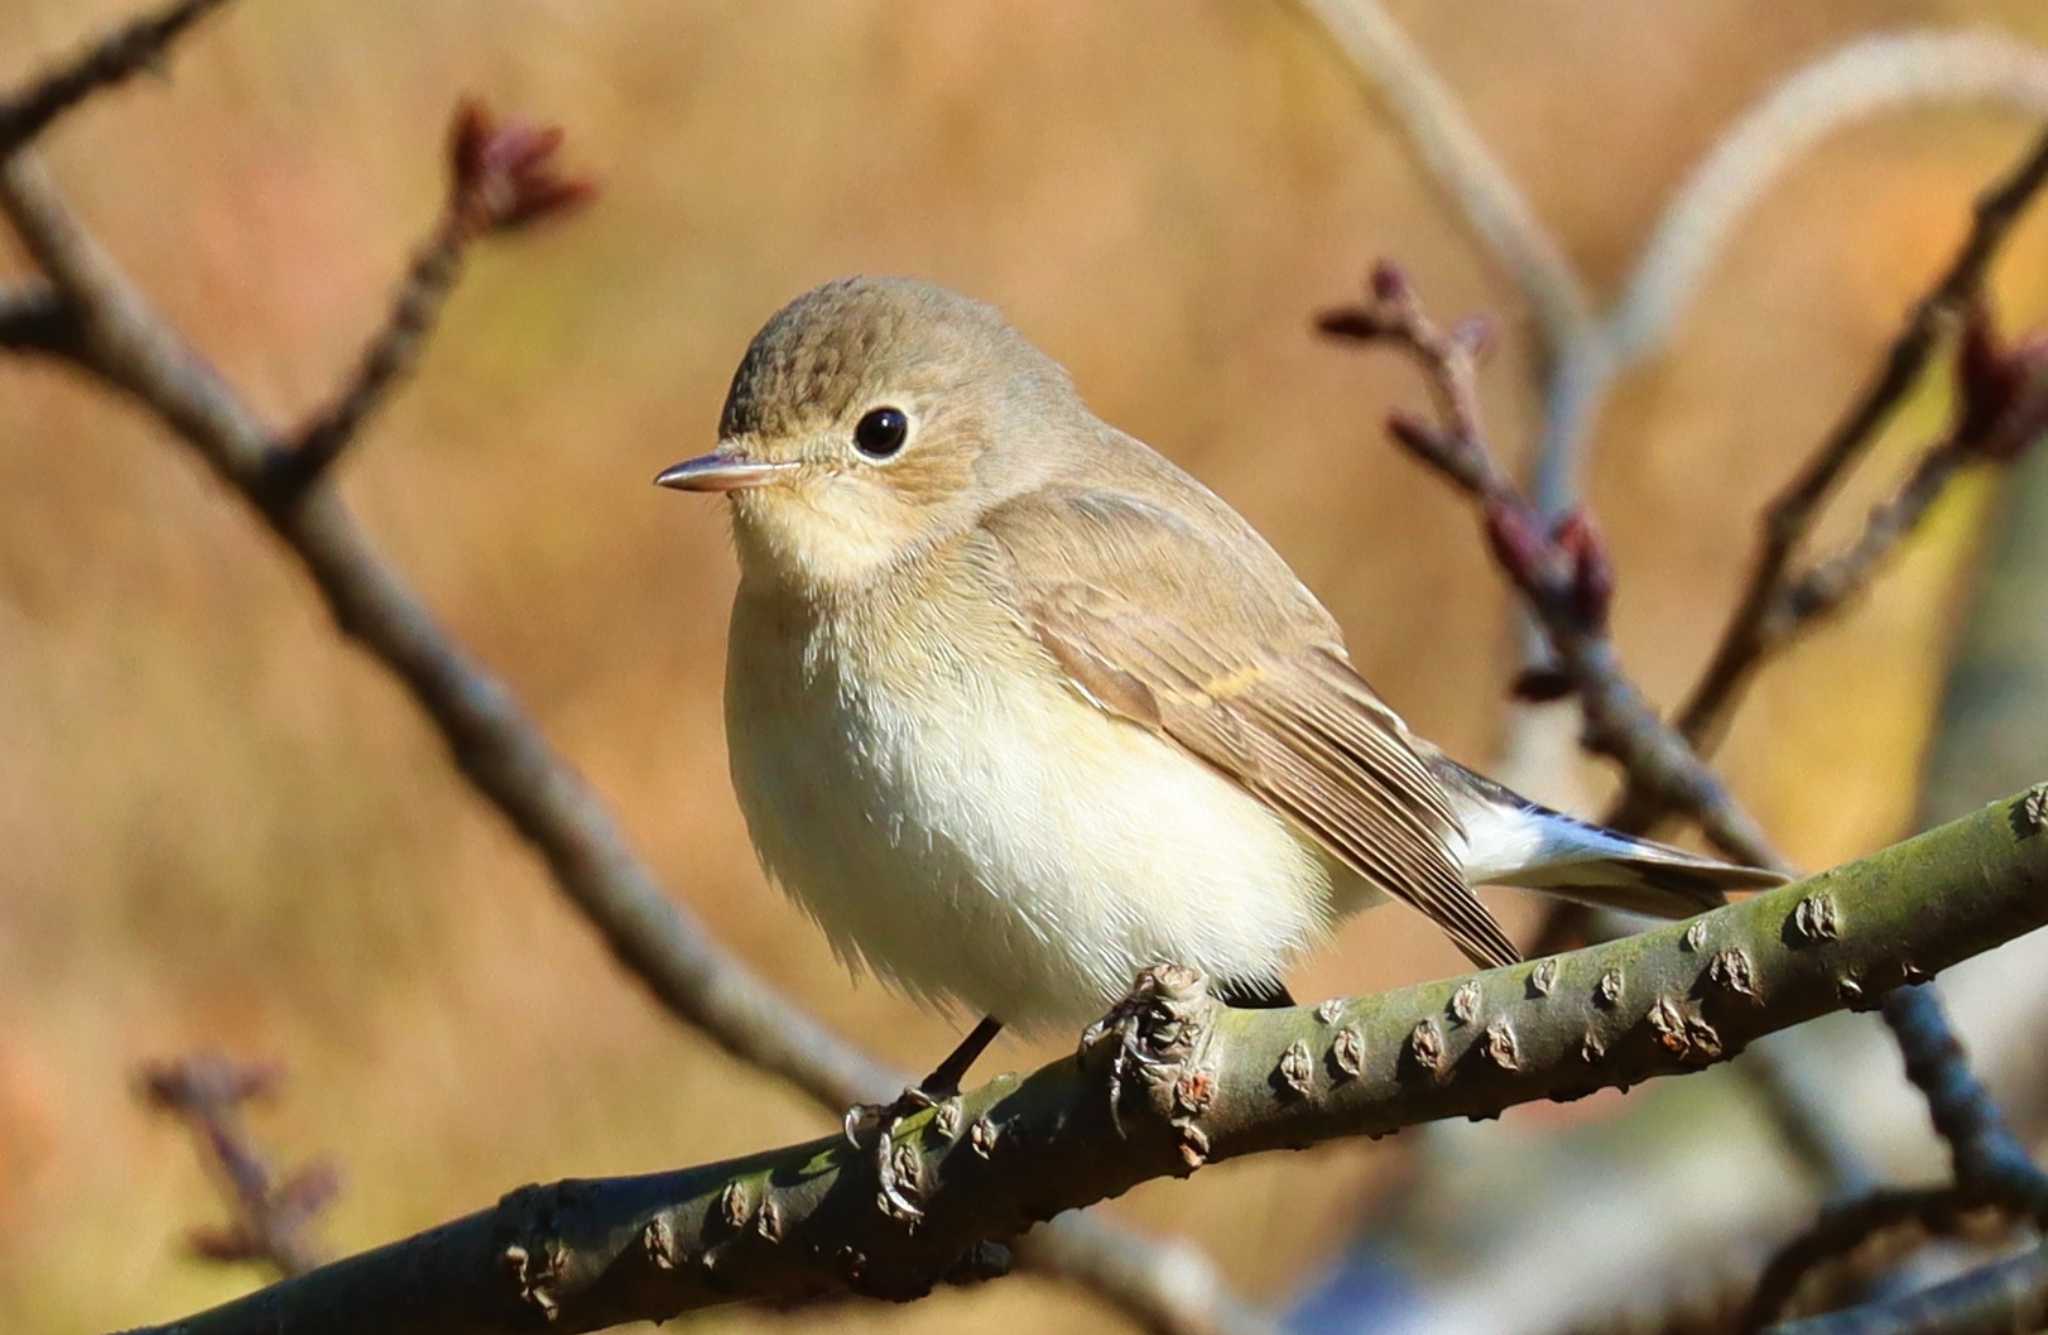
(1510, 840)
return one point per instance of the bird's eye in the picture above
(881, 433)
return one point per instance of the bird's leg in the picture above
(943, 1083)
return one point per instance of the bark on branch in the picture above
(1170, 1081)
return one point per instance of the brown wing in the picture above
(1215, 646)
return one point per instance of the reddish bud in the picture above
(468, 132)
(1519, 543)
(2001, 388)
(1389, 282)
(520, 147)
(1592, 571)
(1984, 376)
(2025, 419)
(501, 176)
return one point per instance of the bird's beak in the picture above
(721, 471)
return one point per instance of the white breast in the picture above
(1001, 843)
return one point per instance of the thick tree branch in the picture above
(1172, 1080)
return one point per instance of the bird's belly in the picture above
(1011, 848)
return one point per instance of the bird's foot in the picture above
(1121, 1030)
(1149, 1031)
(894, 1195)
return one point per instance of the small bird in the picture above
(1016, 708)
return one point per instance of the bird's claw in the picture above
(885, 1118)
(887, 1115)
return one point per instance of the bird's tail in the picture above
(1510, 840)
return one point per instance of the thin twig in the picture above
(109, 59)
(271, 1219)
(500, 177)
(1565, 580)
(1988, 1158)
(1748, 637)
(1457, 161)
(2001, 410)
(1823, 589)
(1582, 351)
(1849, 1226)
(1991, 1168)
(1562, 570)
(1872, 76)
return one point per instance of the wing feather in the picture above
(1114, 587)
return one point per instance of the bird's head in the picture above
(873, 418)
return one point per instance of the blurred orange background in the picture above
(225, 828)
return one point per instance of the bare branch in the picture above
(110, 59)
(1998, 1299)
(1992, 1170)
(1749, 634)
(1584, 350)
(34, 319)
(1989, 1159)
(122, 339)
(1842, 87)
(500, 178)
(1457, 161)
(1855, 82)
(1561, 570)
(272, 1218)
(1173, 1080)
(1851, 1226)
(1850, 84)
(1823, 589)
(1565, 580)
(493, 742)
